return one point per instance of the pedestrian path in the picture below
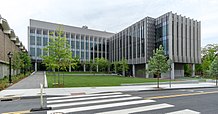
(107, 103)
(31, 82)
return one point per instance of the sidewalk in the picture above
(90, 90)
(30, 82)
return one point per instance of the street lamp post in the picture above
(10, 56)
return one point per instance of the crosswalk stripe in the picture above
(85, 108)
(92, 102)
(88, 95)
(185, 111)
(139, 109)
(87, 98)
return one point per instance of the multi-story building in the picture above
(85, 43)
(9, 42)
(179, 35)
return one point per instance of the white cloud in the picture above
(109, 15)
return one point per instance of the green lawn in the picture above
(94, 81)
(79, 72)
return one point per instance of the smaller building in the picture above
(9, 42)
(85, 43)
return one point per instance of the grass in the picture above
(4, 83)
(79, 72)
(94, 81)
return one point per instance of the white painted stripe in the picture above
(185, 111)
(138, 109)
(92, 102)
(86, 98)
(88, 95)
(85, 108)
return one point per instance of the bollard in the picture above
(41, 102)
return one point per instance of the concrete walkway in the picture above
(90, 90)
(29, 87)
(31, 82)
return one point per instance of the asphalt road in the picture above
(204, 101)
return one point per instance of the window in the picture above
(77, 45)
(87, 46)
(32, 40)
(82, 45)
(32, 51)
(82, 55)
(32, 30)
(45, 32)
(73, 44)
(87, 55)
(39, 52)
(45, 41)
(39, 40)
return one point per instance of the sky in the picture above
(107, 15)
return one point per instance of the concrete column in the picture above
(97, 68)
(35, 66)
(84, 68)
(193, 70)
(123, 72)
(133, 70)
(172, 71)
(69, 68)
(146, 66)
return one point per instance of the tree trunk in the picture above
(158, 76)
(58, 77)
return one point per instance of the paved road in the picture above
(182, 101)
(30, 82)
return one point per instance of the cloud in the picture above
(109, 15)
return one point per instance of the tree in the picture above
(123, 66)
(59, 53)
(26, 61)
(208, 55)
(115, 63)
(16, 61)
(102, 63)
(158, 63)
(214, 68)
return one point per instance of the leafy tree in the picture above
(115, 63)
(158, 63)
(16, 61)
(102, 63)
(208, 55)
(214, 68)
(60, 55)
(26, 61)
(187, 70)
(123, 66)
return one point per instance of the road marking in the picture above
(181, 95)
(87, 98)
(185, 111)
(88, 95)
(92, 102)
(18, 112)
(85, 108)
(138, 109)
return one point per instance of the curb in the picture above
(155, 89)
(162, 89)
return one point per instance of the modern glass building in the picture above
(179, 35)
(85, 43)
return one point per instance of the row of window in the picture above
(83, 55)
(74, 44)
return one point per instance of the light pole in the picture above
(10, 56)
